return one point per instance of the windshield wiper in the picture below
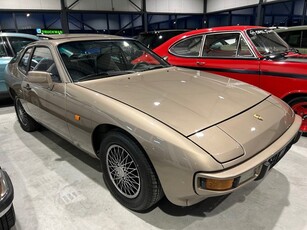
(272, 56)
(156, 67)
(94, 76)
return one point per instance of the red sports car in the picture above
(253, 54)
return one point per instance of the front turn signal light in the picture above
(218, 185)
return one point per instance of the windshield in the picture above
(267, 41)
(88, 60)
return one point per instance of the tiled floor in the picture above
(59, 187)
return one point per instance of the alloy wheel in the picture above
(123, 171)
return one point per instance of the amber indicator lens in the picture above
(77, 117)
(218, 185)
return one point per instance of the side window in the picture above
(221, 45)
(189, 47)
(2, 49)
(42, 60)
(24, 61)
(284, 36)
(294, 38)
(243, 49)
(18, 43)
(304, 40)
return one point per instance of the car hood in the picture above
(186, 100)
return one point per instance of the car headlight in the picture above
(3, 186)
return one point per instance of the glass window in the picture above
(2, 49)
(74, 21)
(114, 22)
(7, 22)
(243, 49)
(42, 61)
(294, 38)
(29, 20)
(96, 21)
(298, 7)
(88, 60)
(221, 45)
(221, 19)
(18, 43)
(189, 47)
(267, 41)
(52, 21)
(23, 64)
(278, 8)
(304, 40)
(283, 35)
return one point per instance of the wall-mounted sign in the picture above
(45, 31)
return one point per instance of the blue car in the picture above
(7, 213)
(10, 44)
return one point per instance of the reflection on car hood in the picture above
(186, 100)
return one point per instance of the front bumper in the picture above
(253, 169)
(7, 193)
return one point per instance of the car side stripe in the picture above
(289, 75)
(243, 71)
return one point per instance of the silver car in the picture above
(157, 130)
(7, 213)
(10, 45)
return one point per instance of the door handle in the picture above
(200, 63)
(27, 87)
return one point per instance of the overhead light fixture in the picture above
(28, 15)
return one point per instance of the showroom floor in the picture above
(59, 187)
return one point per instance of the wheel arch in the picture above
(102, 130)
(291, 96)
(12, 93)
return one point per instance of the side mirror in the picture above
(41, 77)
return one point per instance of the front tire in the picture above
(7, 221)
(26, 122)
(127, 172)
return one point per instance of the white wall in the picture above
(175, 6)
(30, 4)
(105, 5)
(218, 5)
(163, 6)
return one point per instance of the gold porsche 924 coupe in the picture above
(157, 130)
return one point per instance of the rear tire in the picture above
(127, 173)
(26, 122)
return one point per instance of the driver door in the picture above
(46, 102)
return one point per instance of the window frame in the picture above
(25, 72)
(53, 58)
(185, 39)
(295, 33)
(241, 35)
(204, 37)
(5, 48)
(8, 38)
